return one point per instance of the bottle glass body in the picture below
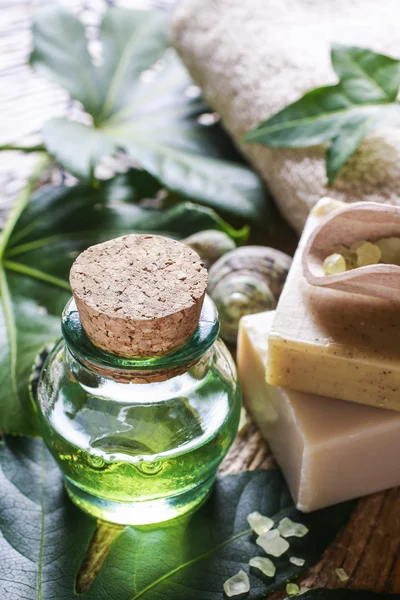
(139, 441)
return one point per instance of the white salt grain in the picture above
(341, 573)
(272, 543)
(236, 585)
(259, 523)
(265, 565)
(288, 528)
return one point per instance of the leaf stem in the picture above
(121, 68)
(11, 330)
(36, 274)
(21, 202)
(190, 562)
(205, 555)
(27, 149)
(67, 236)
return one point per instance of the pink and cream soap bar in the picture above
(328, 449)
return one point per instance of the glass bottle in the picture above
(139, 438)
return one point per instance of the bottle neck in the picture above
(139, 369)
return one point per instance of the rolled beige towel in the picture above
(253, 57)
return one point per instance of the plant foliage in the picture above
(40, 241)
(138, 100)
(44, 538)
(342, 114)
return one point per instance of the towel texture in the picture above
(253, 57)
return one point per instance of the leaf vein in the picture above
(36, 274)
(307, 120)
(11, 330)
(364, 74)
(41, 544)
(123, 63)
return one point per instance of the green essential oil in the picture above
(138, 453)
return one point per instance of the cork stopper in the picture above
(139, 295)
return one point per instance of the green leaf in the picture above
(77, 147)
(44, 538)
(73, 70)
(378, 76)
(193, 558)
(362, 101)
(344, 145)
(131, 41)
(150, 117)
(39, 244)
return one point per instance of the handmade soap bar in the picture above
(329, 450)
(334, 343)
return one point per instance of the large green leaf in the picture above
(151, 118)
(44, 538)
(38, 246)
(194, 558)
(363, 100)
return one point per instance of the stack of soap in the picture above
(305, 372)
(328, 449)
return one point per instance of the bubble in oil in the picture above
(150, 468)
(96, 462)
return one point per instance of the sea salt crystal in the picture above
(341, 573)
(236, 585)
(288, 528)
(259, 523)
(272, 543)
(265, 565)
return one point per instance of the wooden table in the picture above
(369, 547)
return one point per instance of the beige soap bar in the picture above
(329, 450)
(334, 343)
